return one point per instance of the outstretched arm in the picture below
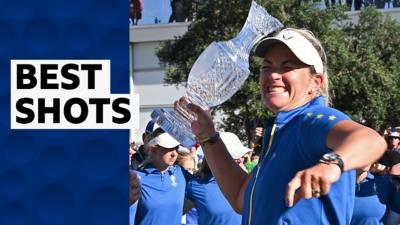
(231, 179)
(356, 144)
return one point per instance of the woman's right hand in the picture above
(203, 126)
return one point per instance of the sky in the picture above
(155, 8)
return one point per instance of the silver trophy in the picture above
(217, 74)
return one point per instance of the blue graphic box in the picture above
(64, 177)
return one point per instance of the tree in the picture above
(363, 63)
(367, 85)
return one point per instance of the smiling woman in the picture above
(290, 54)
(162, 183)
(306, 173)
(284, 81)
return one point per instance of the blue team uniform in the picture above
(299, 142)
(162, 197)
(132, 213)
(212, 207)
(374, 196)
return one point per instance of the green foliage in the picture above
(363, 61)
(366, 72)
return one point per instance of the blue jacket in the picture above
(211, 205)
(162, 197)
(298, 143)
(374, 196)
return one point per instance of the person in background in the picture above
(330, 3)
(140, 154)
(396, 3)
(203, 191)
(368, 3)
(162, 183)
(134, 191)
(380, 4)
(178, 14)
(131, 152)
(254, 159)
(193, 153)
(306, 175)
(357, 4)
(256, 140)
(134, 195)
(186, 160)
(197, 153)
(377, 197)
(392, 136)
(136, 157)
(135, 10)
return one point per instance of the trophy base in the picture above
(175, 125)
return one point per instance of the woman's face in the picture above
(164, 156)
(188, 164)
(239, 160)
(394, 142)
(285, 81)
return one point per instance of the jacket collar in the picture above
(150, 169)
(285, 117)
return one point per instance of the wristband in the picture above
(209, 140)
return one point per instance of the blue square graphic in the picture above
(63, 177)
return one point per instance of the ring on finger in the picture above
(316, 192)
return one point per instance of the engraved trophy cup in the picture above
(217, 74)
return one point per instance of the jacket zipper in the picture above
(271, 137)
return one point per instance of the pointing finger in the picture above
(292, 186)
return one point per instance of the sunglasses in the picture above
(394, 137)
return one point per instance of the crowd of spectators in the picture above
(377, 185)
(204, 202)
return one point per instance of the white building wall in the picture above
(148, 74)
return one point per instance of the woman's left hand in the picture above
(312, 182)
(134, 187)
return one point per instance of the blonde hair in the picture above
(183, 157)
(324, 91)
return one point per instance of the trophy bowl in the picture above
(218, 73)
